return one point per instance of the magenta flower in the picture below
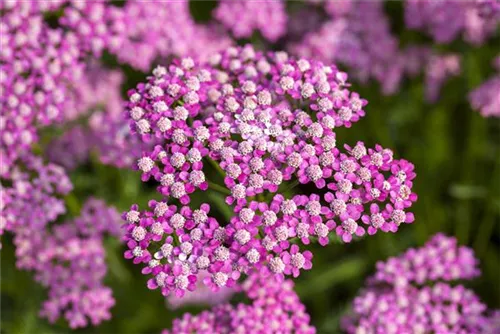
(243, 115)
(447, 20)
(415, 292)
(485, 98)
(242, 18)
(274, 307)
(71, 257)
(294, 261)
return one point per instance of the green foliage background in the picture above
(457, 157)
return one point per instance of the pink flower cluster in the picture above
(274, 308)
(446, 20)
(49, 76)
(148, 37)
(69, 259)
(486, 98)
(93, 25)
(101, 125)
(438, 69)
(44, 69)
(413, 293)
(348, 38)
(37, 68)
(244, 17)
(203, 295)
(33, 198)
(266, 122)
(489, 9)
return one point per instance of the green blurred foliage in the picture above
(457, 157)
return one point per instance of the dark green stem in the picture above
(218, 188)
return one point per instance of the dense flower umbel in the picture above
(266, 121)
(413, 293)
(37, 67)
(96, 25)
(242, 18)
(446, 20)
(41, 71)
(274, 308)
(485, 98)
(69, 260)
(32, 197)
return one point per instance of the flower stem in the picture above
(218, 188)
(216, 166)
(290, 186)
(486, 228)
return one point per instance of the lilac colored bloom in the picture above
(244, 113)
(95, 25)
(348, 38)
(105, 131)
(485, 98)
(440, 259)
(489, 8)
(69, 259)
(42, 67)
(414, 293)
(446, 20)
(33, 198)
(242, 18)
(69, 150)
(437, 70)
(38, 65)
(148, 38)
(274, 308)
(201, 296)
(439, 309)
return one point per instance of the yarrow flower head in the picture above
(274, 308)
(265, 122)
(348, 36)
(146, 38)
(485, 98)
(70, 257)
(243, 17)
(414, 293)
(446, 20)
(37, 67)
(33, 197)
